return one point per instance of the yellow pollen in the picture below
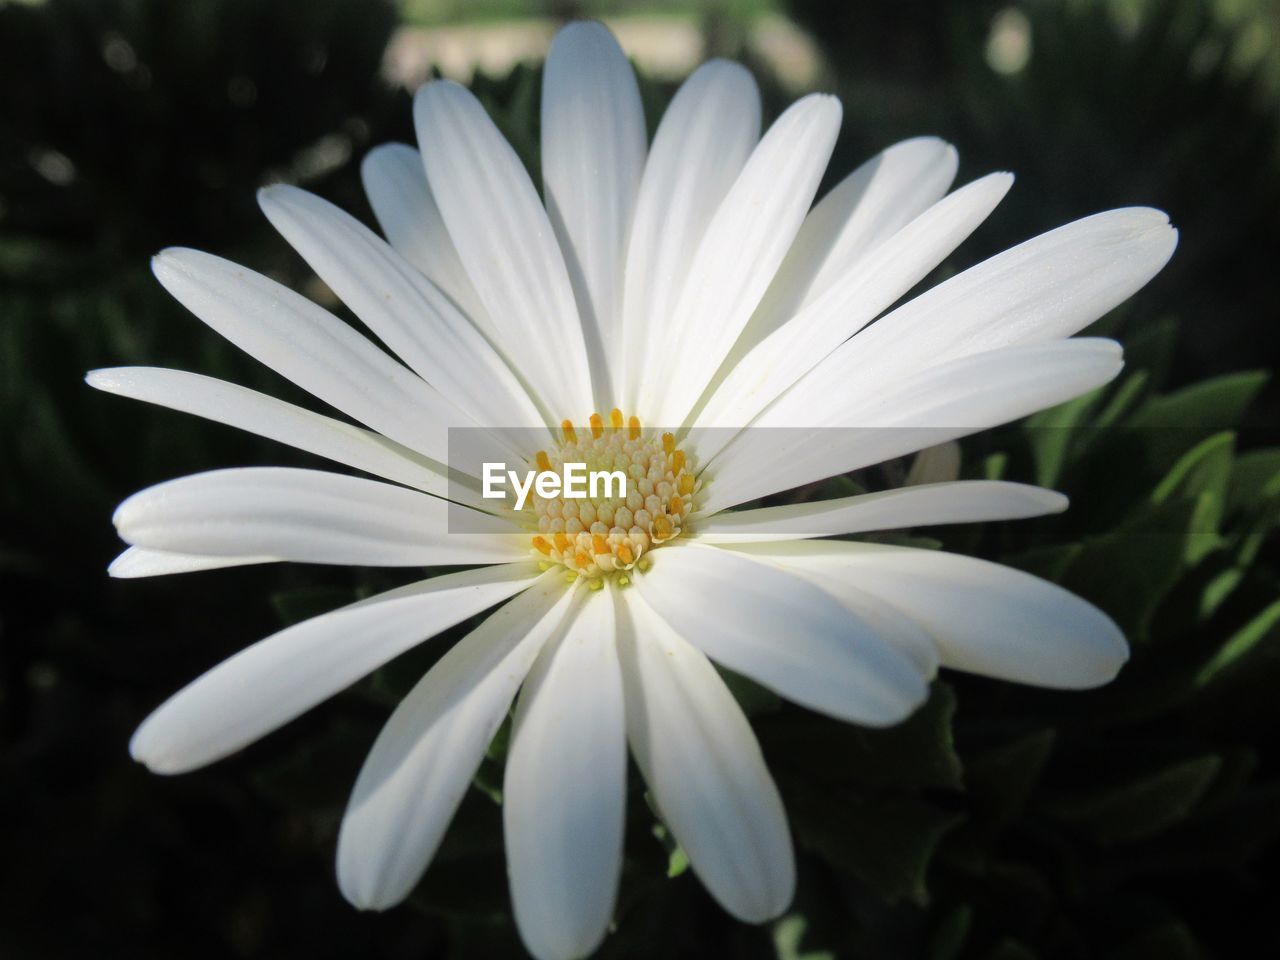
(608, 529)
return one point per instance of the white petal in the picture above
(743, 246)
(887, 621)
(423, 760)
(264, 686)
(964, 501)
(701, 145)
(564, 791)
(864, 210)
(309, 516)
(938, 464)
(783, 632)
(593, 152)
(138, 562)
(309, 346)
(942, 403)
(985, 618)
(402, 307)
(410, 219)
(704, 767)
(772, 360)
(1042, 290)
(506, 243)
(274, 419)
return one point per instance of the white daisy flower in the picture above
(688, 283)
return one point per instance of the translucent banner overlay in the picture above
(516, 473)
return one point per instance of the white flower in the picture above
(686, 282)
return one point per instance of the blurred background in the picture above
(1000, 823)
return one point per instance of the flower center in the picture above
(601, 535)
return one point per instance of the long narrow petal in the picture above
(985, 618)
(703, 765)
(964, 501)
(564, 791)
(402, 307)
(264, 686)
(864, 210)
(1045, 289)
(593, 153)
(506, 244)
(701, 145)
(886, 620)
(937, 464)
(872, 284)
(309, 346)
(743, 246)
(139, 562)
(783, 632)
(274, 419)
(397, 188)
(942, 403)
(309, 516)
(425, 757)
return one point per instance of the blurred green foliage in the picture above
(1138, 821)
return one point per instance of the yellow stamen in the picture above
(608, 534)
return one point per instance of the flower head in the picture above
(720, 326)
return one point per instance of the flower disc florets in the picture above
(598, 536)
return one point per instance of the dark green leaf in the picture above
(1140, 807)
(886, 842)
(1000, 779)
